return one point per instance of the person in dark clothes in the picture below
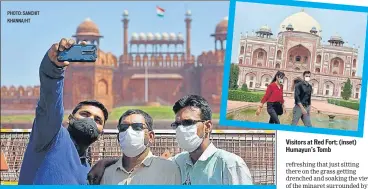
(274, 98)
(303, 96)
(56, 155)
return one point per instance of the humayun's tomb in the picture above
(298, 47)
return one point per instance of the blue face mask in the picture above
(281, 81)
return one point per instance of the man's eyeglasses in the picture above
(135, 126)
(185, 123)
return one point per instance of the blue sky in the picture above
(23, 45)
(350, 25)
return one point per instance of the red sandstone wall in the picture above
(211, 77)
(19, 98)
(114, 87)
(103, 90)
(168, 90)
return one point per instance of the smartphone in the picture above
(79, 53)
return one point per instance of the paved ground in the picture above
(322, 106)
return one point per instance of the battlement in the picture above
(212, 57)
(20, 92)
(103, 59)
(19, 98)
(107, 59)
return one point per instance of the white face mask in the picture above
(281, 81)
(307, 79)
(187, 137)
(132, 142)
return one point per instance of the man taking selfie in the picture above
(56, 155)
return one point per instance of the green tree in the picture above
(244, 87)
(234, 74)
(347, 90)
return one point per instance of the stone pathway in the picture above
(322, 106)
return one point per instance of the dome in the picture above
(221, 27)
(180, 36)
(188, 13)
(135, 36)
(172, 36)
(165, 36)
(150, 36)
(336, 38)
(314, 29)
(125, 13)
(300, 21)
(157, 36)
(265, 28)
(142, 36)
(88, 27)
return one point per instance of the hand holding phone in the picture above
(78, 53)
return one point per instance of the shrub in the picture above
(246, 96)
(352, 104)
(244, 87)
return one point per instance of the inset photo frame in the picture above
(290, 67)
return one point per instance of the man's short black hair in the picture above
(92, 103)
(306, 72)
(147, 118)
(194, 101)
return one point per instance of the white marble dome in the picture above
(265, 28)
(150, 36)
(188, 13)
(157, 36)
(165, 36)
(172, 36)
(135, 36)
(142, 36)
(301, 22)
(125, 13)
(336, 37)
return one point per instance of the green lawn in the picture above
(157, 113)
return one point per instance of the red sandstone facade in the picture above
(297, 48)
(151, 69)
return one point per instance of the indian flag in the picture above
(160, 11)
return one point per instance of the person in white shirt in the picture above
(138, 166)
